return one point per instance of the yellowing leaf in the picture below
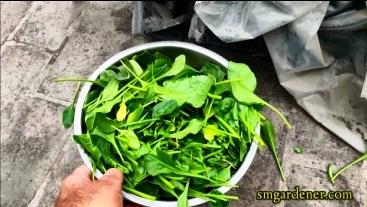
(130, 138)
(210, 131)
(121, 113)
(135, 115)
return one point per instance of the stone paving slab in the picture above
(47, 25)
(11, 13)
(29, 149)
(317, 143)
(308, 178)
(22, 70)
(66, 160)
(94, 38)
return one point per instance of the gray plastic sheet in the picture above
(319, 50)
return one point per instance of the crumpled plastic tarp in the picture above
(319, 50)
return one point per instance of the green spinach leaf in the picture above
(213, 70)
(165, 107)
(135, 115)
(107, 75)
(193, 127)
(182, 200)
(110, 137)
(193, 90)
(130, 138)
(177, 67)
(68, 116)
(85, 141)
(110, 91)
(241, 71)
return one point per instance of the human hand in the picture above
(78, 190)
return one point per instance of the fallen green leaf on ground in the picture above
(68, 113)
(268, 134)
(298, 150)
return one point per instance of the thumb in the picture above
(112, 177)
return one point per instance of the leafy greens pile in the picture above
(175, 131)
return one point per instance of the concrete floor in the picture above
(42, 40)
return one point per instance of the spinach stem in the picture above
(122, 90)
(262, 117)
(175, 178)
(274, 152)
(76, 93)
(132, 73)
(136, 87)
(140, 122)
(214, 96)
(141, 194)
(258, 139)
(212, 154)
(228, 163)
(279, 114)
(195, 193)
(195, 176)
(184, 113)
(90, 103)
(165, 181)
(208, 114)
(227, 126)
(225, 133)
(147, 104)
(77, 80)
(117, 150)
(222, 197)
(158, 140)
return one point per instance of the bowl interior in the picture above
(195, 56)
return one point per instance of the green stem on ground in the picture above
(279, 166)
(340, 171)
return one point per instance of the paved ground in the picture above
(43, 40)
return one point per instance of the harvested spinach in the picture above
(175, 131)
